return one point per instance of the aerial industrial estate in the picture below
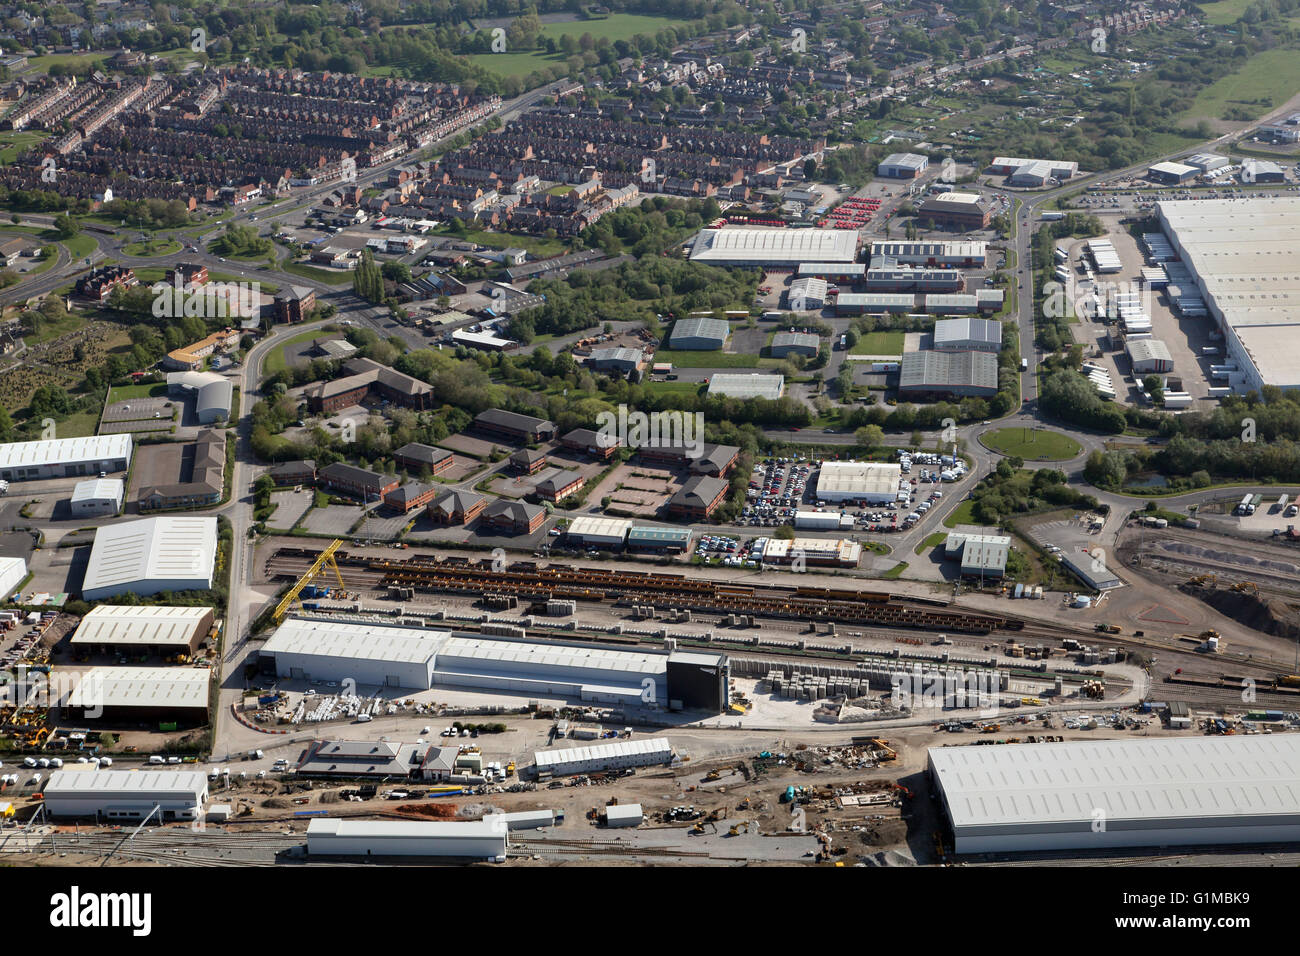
(473, 437)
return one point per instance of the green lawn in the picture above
(80, 246)
(618, 26)
(1222, 12)
(79, 425)
(151, 274)
(691, 359)
(962, 514)
(932, 541)
(1273, 75)
(275, 361)
(13, 143)
(896, 572)
(53, 329)
(673, 388)
(318, 275)
(121, 393)
(879, 343)
(1032, 444)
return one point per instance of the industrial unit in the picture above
(126, 794)
(1148, 792)
(213, 394)
(149, 629)
(418, 659)
(968, 334)
(807, 294)
(958, 254)
(150, 694)
(1172, 174)
(151, 555)
(834, 552)
(1032, 172)
(902, 166)
(806, 344)
(598, 531)
(969, 373)
(701, 335)
(484, 839)
(1243, 257)
(982, 555)
(64, 457)
(747, 246)
(960, 211)
(1149, 355)
(97, 497)
(873, 482)
(649, 538)
(616, 755)
(12, 573)
(747, 385)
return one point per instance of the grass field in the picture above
(689, 359)
(275, 360)
(121, 393)
(673, 388)
(311, 272)
(962, 514)
(1273, 75)
(51, 330)
(1032, 444)
(80, 246)
(1222, 12)
(879, 343)
(896, 572)
(932, 541)
(13, 143)
(618, 26)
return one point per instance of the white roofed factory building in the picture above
(873, 482)
(151, 629)
(615, 755)
(142, 694)
(151, 555)
(746, 246)
(126, 794)
(484, 839)
(1191, 791)
(64, 457)
(96, 497)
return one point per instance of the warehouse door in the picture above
(392, 680)
(297, 673)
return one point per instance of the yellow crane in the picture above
(323, 560)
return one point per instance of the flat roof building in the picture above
(968, 334)
(151, 555)
(147, 628)
(64, 457)
(484, 839)
(960, 211)
(835, 552)
(126, 794)
(650, 538)
(967, 254)
(747, 385)
(874, 303)
(372, 655)
(1186, 791)
(983, 553)
(949, 373)
(703, 335)
(746, 246)
(96, 497)
(1243, 256)
(875, 482)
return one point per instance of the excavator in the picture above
(737, 827)
(886, 752)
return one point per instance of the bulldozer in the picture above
(712, 775)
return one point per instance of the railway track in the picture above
(662, 591)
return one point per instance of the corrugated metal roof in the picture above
(648, 746)
(350, 640)
(185, 687)
(1151, 781)
(144, 624)
(152, 549)
(128, 783)
(92, 449)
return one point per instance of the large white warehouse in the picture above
(1244, 257)
(12, 572)
(385, 655)
(126, 794)
(64, 457)
(151, 555)
(873, 482)
(1121, 793)
(484, 839)
(747, 246)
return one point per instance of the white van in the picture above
(155, 759)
